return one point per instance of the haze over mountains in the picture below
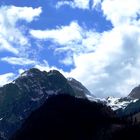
(33, 89)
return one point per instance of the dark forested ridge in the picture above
(64, 117)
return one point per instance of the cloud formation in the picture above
(113, 68)
(12, 36)
(6, 78)
(82, 4)
(72, 39)
(107, 63)
(62, 35)
(18, 61)
(121, 12)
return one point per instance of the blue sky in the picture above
(95, 41)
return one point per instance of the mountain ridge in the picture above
(66, 117)
(33, 87)
(28, 92)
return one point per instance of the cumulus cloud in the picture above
(62, 35)
(6, 78)
(120, 12)
(12, 36)
(24, 13)
(82, 4)
(18, 61)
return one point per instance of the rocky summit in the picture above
(135, 93)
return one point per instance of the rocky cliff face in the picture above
(135, 93)
(79, 87)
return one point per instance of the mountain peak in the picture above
(34, 70)
(54, 71)
(28, 92)
(31, 72)
(37, 72)
(135, 93)
(78, 87)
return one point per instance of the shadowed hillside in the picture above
(65, 117)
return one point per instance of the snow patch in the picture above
(114, 103)
(117, 103)
(23, 74)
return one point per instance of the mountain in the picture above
(78, 87)
(131, 109)
(135, 93)
(38, 101)
(65, 117)
(119, 103)
(27, 93)
(33, 89)
(134, 106)
(126, 106)
(113, 102)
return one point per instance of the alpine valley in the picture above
(42, 105)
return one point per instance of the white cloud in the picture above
(67, 60)
(6, 78)
(62, 3)
(23, 13)
(18, 61)
(5, 45)
(12, 37)
(69, 36)
(96, 3)
(82, 4)
(62, 35)
(45, 67)
(20, 71)
(120, 12)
